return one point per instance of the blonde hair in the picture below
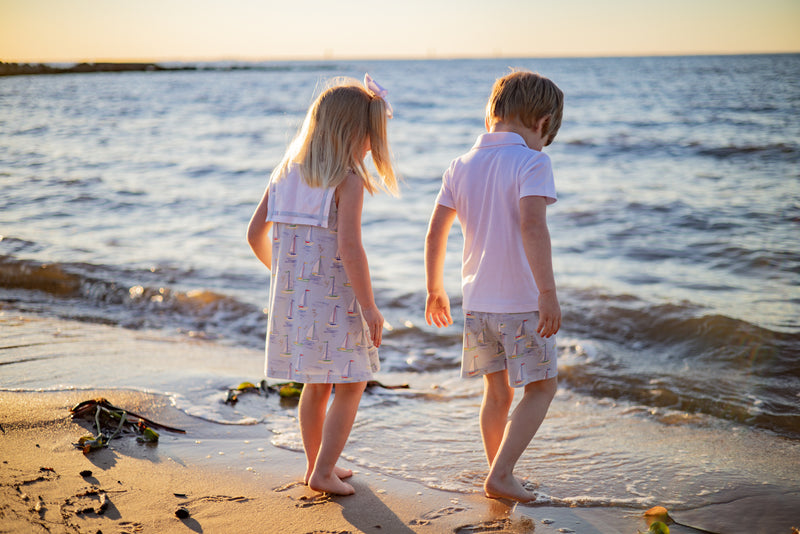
(333, 136)
(527, 97)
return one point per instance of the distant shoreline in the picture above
(18, 69)
(29, 69)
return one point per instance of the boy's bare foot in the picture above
(497, 487)
(340, 472)
(331, 484)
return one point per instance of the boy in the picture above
(500, 190)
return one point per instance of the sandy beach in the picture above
(49, 485)
(227, 477)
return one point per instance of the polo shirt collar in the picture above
(499, 139)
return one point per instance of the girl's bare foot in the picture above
(498, 487)
(330, 484)
(340, 472)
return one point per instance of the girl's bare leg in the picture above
(521, 427)
(311, 411)
(335, 431)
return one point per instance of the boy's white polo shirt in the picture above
(484, 186)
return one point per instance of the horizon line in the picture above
(429, 57)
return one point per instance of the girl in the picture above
(324, 327)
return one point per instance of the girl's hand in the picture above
(375, 322)
(437, 309)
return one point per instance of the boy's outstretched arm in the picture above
(258, 232)
(437, 307)
(536, 240)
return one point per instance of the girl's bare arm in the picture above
(258, 232)
(351, 250)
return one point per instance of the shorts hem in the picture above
(524, 383)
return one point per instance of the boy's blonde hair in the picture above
(334, 134)
(527, 97)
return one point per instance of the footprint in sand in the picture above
(504, 525)
(288, 486)
(435, 514)
(217, 498)
(314, 500)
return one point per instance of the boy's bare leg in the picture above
(497, 399)
(311, 412)
(521, 427)
(335, 431)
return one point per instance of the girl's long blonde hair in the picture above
(333, 136)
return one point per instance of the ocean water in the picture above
(124, 199)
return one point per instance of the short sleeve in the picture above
(536, 179)
(445, 196)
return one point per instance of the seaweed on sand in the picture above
(285, 389)
(658, 518)
(111, 420)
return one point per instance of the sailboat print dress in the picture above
(316, 332)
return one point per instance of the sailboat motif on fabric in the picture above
(468, 343)
(347, 369)
(332, 293)
(293, 249)
(289, 315)
(363, 341)
(304, 300)
(325, 356)
(276, 236)
(311, 335)
(332, 318)
(521, 330)
(352, 310)
(287, 352)
(309, 237)
(316, 269)
(515, 354)
(520, 378)
(347, 345)
(545, 357)
(274, 329)
(328, 376)
(297, 339)
(481, 338)
(472, 370)
(303, 277)
(288, 286)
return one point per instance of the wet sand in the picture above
(227, 477)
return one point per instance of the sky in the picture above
(196, 30)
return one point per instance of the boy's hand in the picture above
(437, 309)
(549, 314)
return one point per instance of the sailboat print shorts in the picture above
(497, 341)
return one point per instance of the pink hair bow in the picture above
(379, 91)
